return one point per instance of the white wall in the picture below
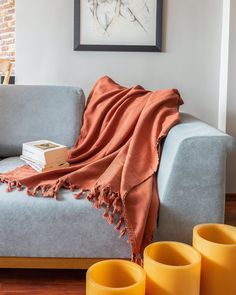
(231, 111)
(190, 61)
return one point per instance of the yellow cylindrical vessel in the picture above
(217, 245)
(172, 268)
(115, 277)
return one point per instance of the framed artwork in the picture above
(118, 25)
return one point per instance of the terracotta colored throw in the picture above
(115, 158)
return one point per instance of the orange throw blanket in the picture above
(115, 159)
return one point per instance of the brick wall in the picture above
(7, 28)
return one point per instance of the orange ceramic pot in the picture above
(217, 245)
(172, 268)
(115, 277)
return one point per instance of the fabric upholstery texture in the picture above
(29, 113)
(191, 178)
(43, 227)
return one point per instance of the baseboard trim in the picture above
(48, 263)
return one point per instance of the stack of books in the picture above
(44, 155)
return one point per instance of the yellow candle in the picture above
(172, 268)
(115, 277)
(217, 245)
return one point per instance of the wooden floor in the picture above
(230, 210)
(58, 282)
(42, 282)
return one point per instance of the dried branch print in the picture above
(106, 12)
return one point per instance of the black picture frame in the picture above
(135, 48)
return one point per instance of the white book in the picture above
(41, 164)
(45, 151)
(39, 168)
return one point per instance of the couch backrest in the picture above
(29, 113)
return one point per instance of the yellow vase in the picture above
(172, 268)
(115, 277)
(217, 245)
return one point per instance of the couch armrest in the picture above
(191, 178)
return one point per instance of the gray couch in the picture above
(191, 180)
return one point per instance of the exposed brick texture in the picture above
(7, 28)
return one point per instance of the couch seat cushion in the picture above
(43, 227)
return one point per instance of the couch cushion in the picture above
(29, 113)
(41, 227)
